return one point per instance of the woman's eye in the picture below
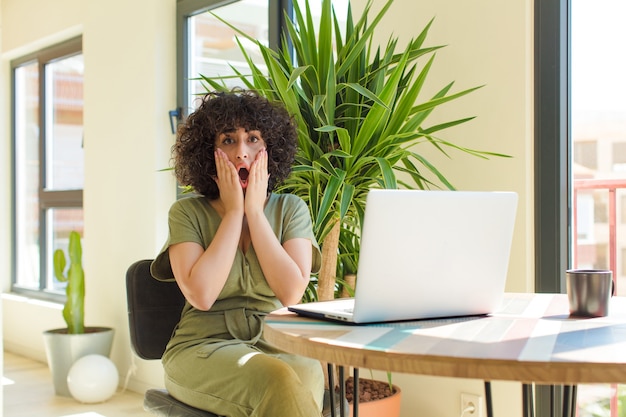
(227, 140)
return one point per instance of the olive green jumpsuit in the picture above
(217, 360)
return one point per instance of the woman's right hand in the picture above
(202, 273)
(228, 183)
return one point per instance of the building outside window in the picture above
(48, 162)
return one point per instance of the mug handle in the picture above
(612, 287)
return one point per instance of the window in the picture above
(47, 105)
(213, 50)
(209, 48)
(579, 82)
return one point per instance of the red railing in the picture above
(611, 186)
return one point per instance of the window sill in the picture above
(19, 298)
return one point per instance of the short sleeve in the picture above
(298, 224)
(184, 226)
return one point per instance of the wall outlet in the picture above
(471, 405)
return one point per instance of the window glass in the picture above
(213, 50)
(212, 46)
(598, 126)
(27, 173)
(64, 134)
(598, 120)
(60, 223)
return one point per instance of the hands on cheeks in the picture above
(227, 181)
(231, 191)
(256, 192)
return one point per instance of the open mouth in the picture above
(243, 177)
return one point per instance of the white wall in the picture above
(129, 51)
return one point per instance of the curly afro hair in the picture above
(193, 152)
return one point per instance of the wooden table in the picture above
(530, 339)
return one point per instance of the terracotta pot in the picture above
(386, 407)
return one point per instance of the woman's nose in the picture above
(242, 151)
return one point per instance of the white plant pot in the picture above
(63, 349)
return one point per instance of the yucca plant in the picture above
(360, 118)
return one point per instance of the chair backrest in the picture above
(154, 309)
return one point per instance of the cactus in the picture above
(74, 309)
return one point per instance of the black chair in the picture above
(154, 308)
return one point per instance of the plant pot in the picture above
(63, 349)
(388, 406)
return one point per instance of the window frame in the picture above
(48, 199)
(552, 144)
(553, 187)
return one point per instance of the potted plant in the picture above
(360, 116)
(358, 122)
(66, 345)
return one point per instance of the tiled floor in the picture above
(28, 392)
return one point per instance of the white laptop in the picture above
(427, 254)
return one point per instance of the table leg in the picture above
(528, 405)
(355, 395)
(569, 400)
(488, 401)
(331, 389)
(342, 390)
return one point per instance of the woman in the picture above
(237, 252)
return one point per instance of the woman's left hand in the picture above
(256, 192)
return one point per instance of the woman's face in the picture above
(241, 147)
